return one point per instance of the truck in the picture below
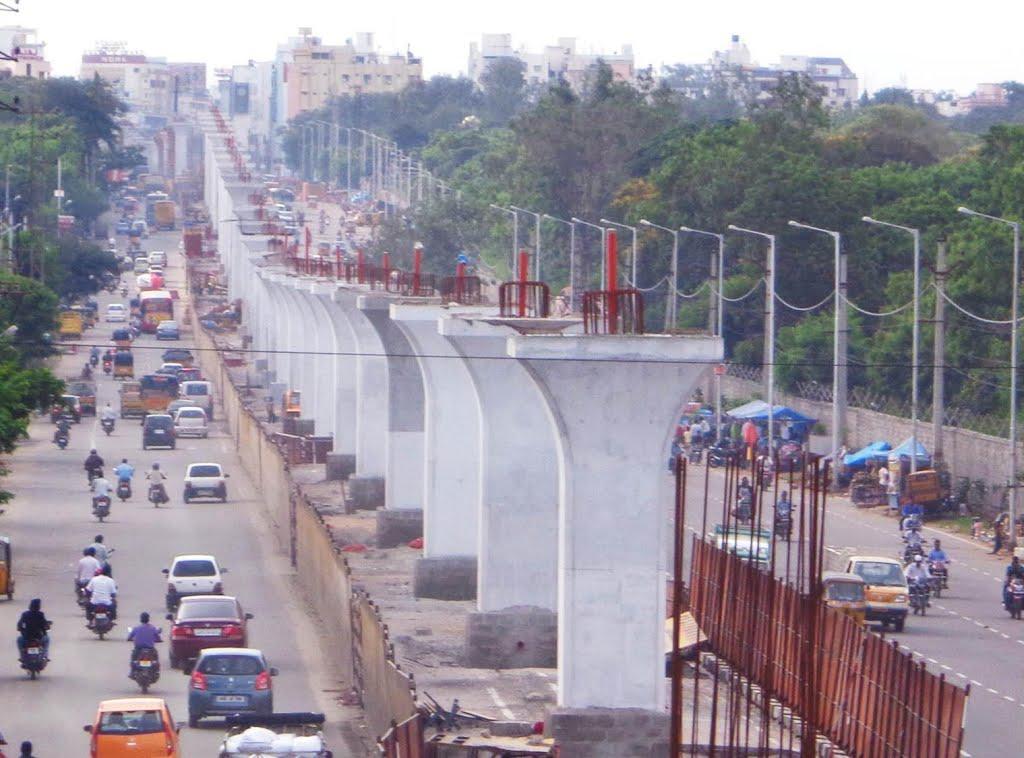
(194, 242)
(164, 213)
(86, 392)
(71, 324)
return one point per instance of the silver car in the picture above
(230, 680)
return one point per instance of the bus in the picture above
(155, 306)
(151, 200)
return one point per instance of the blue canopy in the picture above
(903, 450)
(877, 451)
(757, 410)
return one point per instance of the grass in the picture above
(955, 524)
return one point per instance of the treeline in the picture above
(713, 159)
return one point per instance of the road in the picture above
(966, 634)
(50, 522)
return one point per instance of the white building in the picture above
(146, 84)
(21, 43)
(559, 62)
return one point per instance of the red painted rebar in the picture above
(524, 270)
(611, 279)
(360, 266)
(417, 266)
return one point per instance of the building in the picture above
(559, 62)
(152, 86)
(838, 83)
(21, 43)
(316, 72)
(986, 95)
(245, 93)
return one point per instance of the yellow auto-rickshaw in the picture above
(122, 338)
(6, 569)
(124, 365)
(845, 593)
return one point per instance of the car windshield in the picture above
(159, 422)
(214, 608)
(191, 413)
(131, 722)
(847, 592)
(880, 574)
(167, 326)
(204, 471)
(195, 389)
(231, 665)
(194, 567)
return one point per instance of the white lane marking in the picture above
(1009, 699)
(962, 676)
(500, 703)
(932, 660)
(976, 683)
(945, 667)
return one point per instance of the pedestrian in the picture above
(892, 490)
(998, 540)
(26, 750)
(687, 437)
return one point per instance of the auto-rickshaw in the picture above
(845, 593)
(6, 568)
(122, 338)
(124, 365)
(292, 403)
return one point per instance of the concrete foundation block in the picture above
(305, 427)
(397, 526)
(445, 578)
(609, 732)
(366, 492)
(519, 637)
(340, 466)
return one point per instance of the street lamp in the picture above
(536, 241)
(636, 252)
(515, 230)
(719, 315)
(769, 327)
(604, 243)
(916, 234)
(572, 257)
(1014, 327)
(839, 334)
(670, 295)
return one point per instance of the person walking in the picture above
(998, 541)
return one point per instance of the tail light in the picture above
(263, 680)
(198, 681)
(232, 630)
(180, 632)
(218, 589)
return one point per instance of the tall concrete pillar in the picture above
(367, 488)
(316, 342)
(451, 463)
(517, 584)
(611, 402)
(278, 326)
(405, 397)
(341, 371)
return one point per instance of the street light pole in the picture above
(572, 258)
(515, 232)
(720, 324)
(769, 328)
(670, 294)
(536, 241)
(636, 251)
(839, 338)
(916, 340)
(1014, 338)
(604, 243)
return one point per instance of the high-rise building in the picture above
(21, 43)
(558, 62)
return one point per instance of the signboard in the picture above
(65, 222)
(239, 98)
(720, 369)
(100, 58)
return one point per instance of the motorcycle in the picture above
(108, 425)
(86, 374)
(107, 367)
(783, 526)
(145, 669)
(940, 577)
(102, 623)
(33, 660)
(94, 360)
(94, 473)
(101, 508)
(61, 439)
(744, 506)
(80, 595)
(1015, 598)
(910, 552)
(919, 597)
(157, 494)
(722, 453)
(124, 489)
(695, 454)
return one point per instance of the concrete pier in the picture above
(342, 373)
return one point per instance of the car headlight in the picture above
(901, 598)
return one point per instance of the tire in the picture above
(193, 721)
(101, 518)
(101, 634)
(173, 445)
(144, 446)
(899, 624)
(144, 686)
(33, 675)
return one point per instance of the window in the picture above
(131, 722)
(194, 568)
(203, 471)
(231, 665)
(207, 609)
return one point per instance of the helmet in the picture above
(93, 451)
(918, 558)
(144, 617)
(156, 466)
(99, 538)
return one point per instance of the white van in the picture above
(200, 393)
(158, 258)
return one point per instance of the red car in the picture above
(206, 621)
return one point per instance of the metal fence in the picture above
(613, 312)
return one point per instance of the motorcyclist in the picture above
(63, 427)
(33, 627)
(913, 539)
(156, 478)
(124, 471)
(938, 555)
(102, 552)
(745, 499)
(93, 464)
(783, 508)
(917, 573)
(94, 355)
(102, 591)
(108, 413)
(145, 636)
(87, 372)
(87, 567)
(100, 489)
(1014, 571)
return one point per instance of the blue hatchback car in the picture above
(230, 680)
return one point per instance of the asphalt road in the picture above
(966, 634)
(50, 522)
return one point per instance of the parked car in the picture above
(198, 392)
(206, 621)
(230, 680)
(117, 312)
(193, 575)
(205, 480)
(191, 422)
(139, 726)
(158, 431)
(168, 330)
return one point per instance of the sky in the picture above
(921, 45)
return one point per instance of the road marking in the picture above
(989, 689)
(945, 667)
(962, 676)
(932, 660)
(500, 703)
(976, 683)
(1009, 699)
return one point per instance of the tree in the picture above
(504, 88)
(32, 307)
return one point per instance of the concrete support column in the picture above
(367, 488)
(278, 327)
(451, 464)
(611, 403)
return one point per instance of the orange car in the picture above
(137, 727)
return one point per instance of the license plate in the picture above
(101, 617)
(33, 651)
(207, 632)
(230, 699)
(158, 431)
(145, 664)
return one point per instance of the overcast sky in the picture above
(887, 43)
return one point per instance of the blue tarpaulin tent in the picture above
(757, 410)
(876, 451)
(903, 450)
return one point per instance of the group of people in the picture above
(124, 471)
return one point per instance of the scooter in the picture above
(108, 425)
(61, 439)
(33, 660)
(156, 495)
(1015, 599)
(124, 489)
(102, 623)
(94, 360)
(145, 669)
(101, 508)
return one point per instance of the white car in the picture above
(193, 575)
(158, 258)
(205, 480)
(116, 312)
(191, 422)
